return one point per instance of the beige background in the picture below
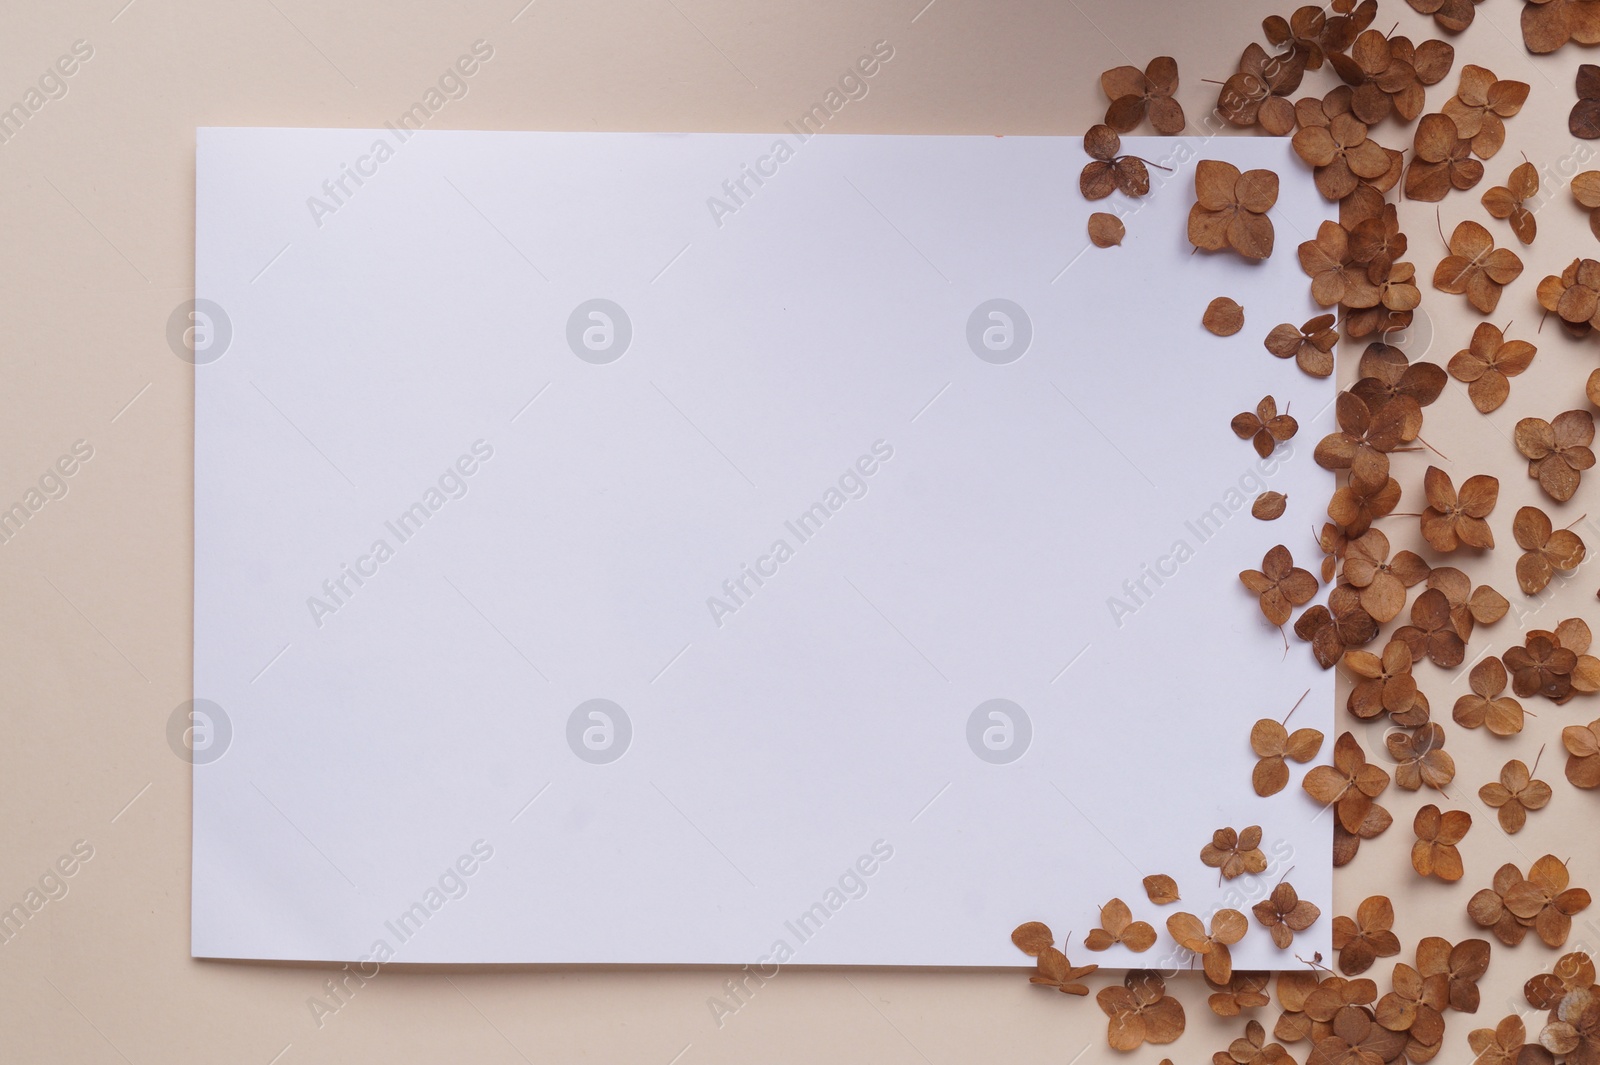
(95, 650)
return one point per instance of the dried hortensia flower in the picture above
(1506, 1044)
(1335, 275)
(1280, 585)
(1349, 785)
(1235, 853)
(1586, 190)
(1486, 706)
(1476, 268)
(1509, 201)
(1451, 973)
(1487, 908)
(1118, 926)
(1273, 744)
(1441, 160)
(1549, 24)
(1385, 374)
(1227, 928)
(1583, 754)
(1468, 605)
(1140, 1011)
(1053, 969)
(1585, 118)
(1347, 844)
(1341, 154)
(1452, 15)
(1109, 172)
(1514, 794)
(1358, 503)
(1413, 1006)
(1557, 452)
(1244, 991)
(1134, 94)
(1388, 74)
(1333, 629)
(1420, 758)
(1452, 519)
(1383, 685)
(1368, 937)
(1231, 209)
(1432, 633)
(1365, 437)
(1255, 96)
(1435, 853)
(1381, 580)
(1269, 506)
(1283, 913)
(1481, 105)
(1487, 363)
(1545, 899)
(1252, 1048)
(1310, 346)
(1545, 550)
(1555, 664)
(1265, 428)
(1574, 296)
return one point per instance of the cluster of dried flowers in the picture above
(1360, 275)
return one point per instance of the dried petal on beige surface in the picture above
(1244, 991)
(1333, 629)
(1441, 160)
(1134, 94)
(1349, 785)
(1269, 506)
(1223, 317)
(1420, 758)
(1574, 296)
(1585, 118)
(1140, 1011)
(1106, 230)
(1161, 889)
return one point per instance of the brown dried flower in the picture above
(1452, 973)
(1549, 24)
(1388, 74)
(1283, 913)
(1435, 853)
(1311, 345)
(1432, 633)
(1545, 899)
(1227, 928)
(1475, 267)
(1109, 172)
(1333, 629)
(1382, 581)
(1546, 550)
(1235, 853)
(1420, 758)
(1505, 1044)
(1413, 1007)
(1486, 706)
(1554, 664)
(1365, 438)
(1586, 190)
(1280, 584)
(1231, 209)
(1509, 201)
(1368, 937)
(1488, 909)
(1583, 754)
(1441, 160)
(1252, 1048)
(1385, 374)
(1106, 230)
(1053, 969)
(1557, 452)
(1514, 794)
(1134, 94)
(1481, 105)
(1383, 685)
(1118, 926)
(1256, 94)
(1269, 506)
(1273, 743)
(1358, 503)
(1265, 428)
(1453, 519)
(1340, 154)
(1244, 990)
(1574, 296)
(1140, 1011)
(1585, 118)
(1486, 364)
(1349, 785)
